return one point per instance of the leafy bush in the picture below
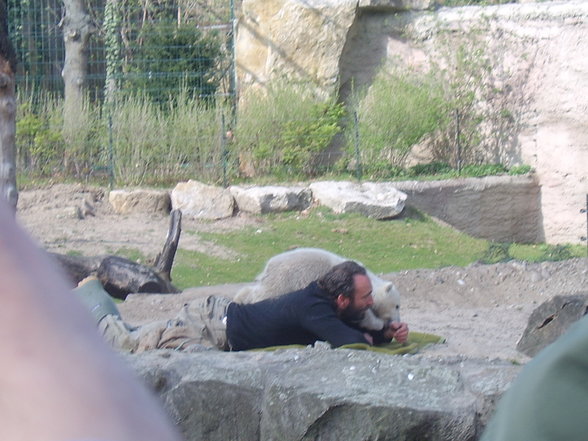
(171, 57)
(285, 128)
(398, 110)
(496, 253)
(40, 145)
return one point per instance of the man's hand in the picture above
(397, 330)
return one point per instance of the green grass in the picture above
(383, 246)
(413, 242)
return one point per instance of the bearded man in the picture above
(329, 309)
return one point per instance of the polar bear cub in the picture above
(294, 270)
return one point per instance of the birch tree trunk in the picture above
(77, 28)
(7, 113)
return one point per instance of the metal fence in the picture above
(155, 51)
(157, 46)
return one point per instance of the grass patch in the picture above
(412, 242)
(383, 246)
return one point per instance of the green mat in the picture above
(416, 341)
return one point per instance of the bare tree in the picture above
(7, 112)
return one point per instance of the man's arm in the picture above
(59, 380)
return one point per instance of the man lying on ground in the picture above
(328, 309)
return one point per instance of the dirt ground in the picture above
(481, 310)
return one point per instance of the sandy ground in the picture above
(482, 310)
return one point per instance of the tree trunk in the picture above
(121, 277)
(7, 113)
(77, 27)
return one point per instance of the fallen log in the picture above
(121, 276)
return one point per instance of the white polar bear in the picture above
(294, 270)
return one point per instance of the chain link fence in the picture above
(158, 88)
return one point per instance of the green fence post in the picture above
(358, 170)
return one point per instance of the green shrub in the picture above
(431, 168)
(154, 145)
(40, 144)
(520, 170)
(496, 253)
(285, 128)
(557, 252)
(397, 112)
(479, 170)
(168, 58)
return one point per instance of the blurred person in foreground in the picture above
(58, 378)
(548, 399)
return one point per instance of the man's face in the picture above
(354, 309)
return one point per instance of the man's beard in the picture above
(352, 315)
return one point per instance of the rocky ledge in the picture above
(317, 393)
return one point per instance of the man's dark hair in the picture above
(339, 279)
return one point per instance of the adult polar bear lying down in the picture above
(294, 270)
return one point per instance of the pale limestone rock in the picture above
(295, 39)
(537, 50)
(139, 201)
(271, 199)
(375, 200)
(201, 201)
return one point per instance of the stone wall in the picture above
(478, 206)
(539, 58)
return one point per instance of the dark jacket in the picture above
(301, 317)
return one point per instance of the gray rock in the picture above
(309, 394)
(271, 199)
(374, 200)
(478, 206)
(550, 320)
(140, 201)
(201, 201)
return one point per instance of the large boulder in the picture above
(201, 201)
(499, 208)
(271, 199)
(140, 201)
(374, 200)
(550, 320)
(291, 38)
(314, 393)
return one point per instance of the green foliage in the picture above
(496, 252)
(154, 145)
(431, 168)
(285, 128)
(464, 72)
(40, 143)
(520, 170)
(557, 253)
(168, 58)
(479, 170)
(150, 144)
(303, 140)
(398, 111)
(383, 246)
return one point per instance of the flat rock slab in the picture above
(374, 200)
(140, 201)
(319, 393)
(202, 201)
(271, 199)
